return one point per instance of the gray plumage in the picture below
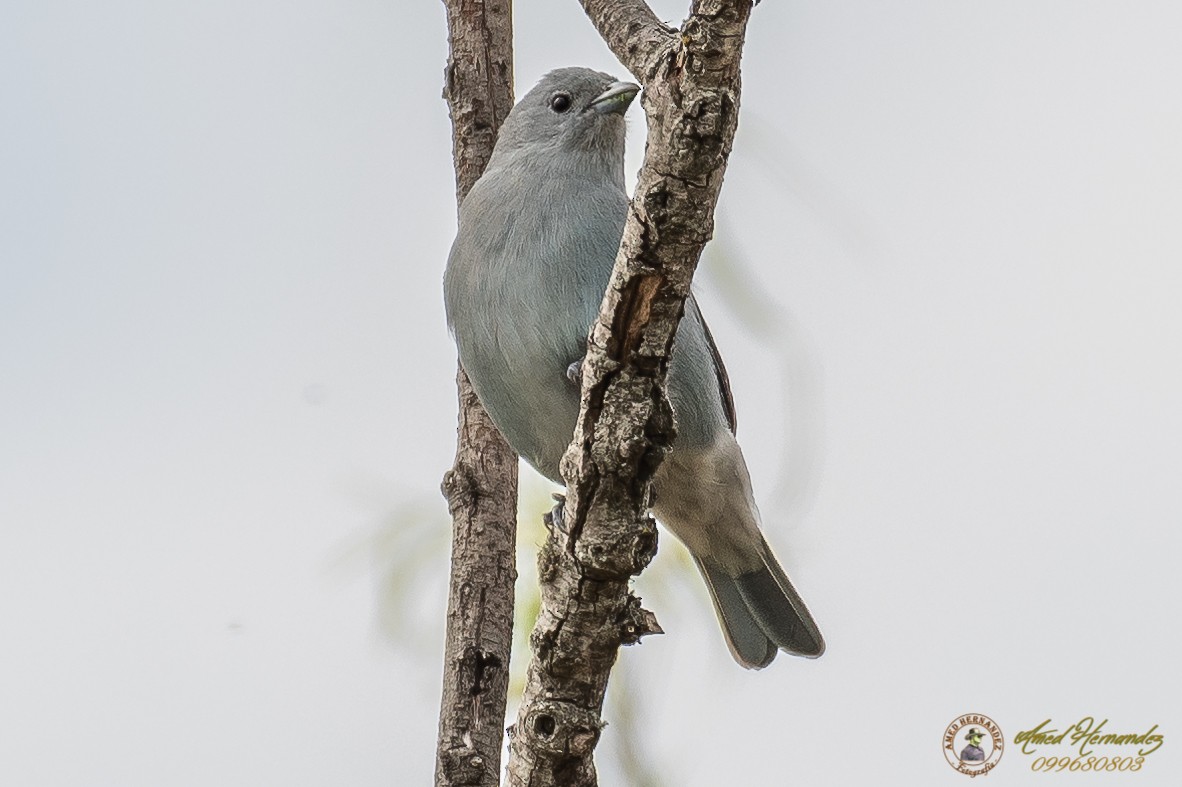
(537, 239)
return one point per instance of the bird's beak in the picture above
(616, 98)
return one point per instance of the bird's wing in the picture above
(724, 382)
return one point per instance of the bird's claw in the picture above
(574, 372)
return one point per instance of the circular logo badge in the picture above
(973, 744)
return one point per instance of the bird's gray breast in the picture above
(524, 282)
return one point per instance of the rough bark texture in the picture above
(602, 535)
(481, 487)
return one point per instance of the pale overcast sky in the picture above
(947, 286)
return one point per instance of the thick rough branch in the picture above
(603, 536)
(481, 488)
(632, 31)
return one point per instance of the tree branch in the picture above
(632, 31)
(602, 535)
(481, 487)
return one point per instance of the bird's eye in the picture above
(560, 102)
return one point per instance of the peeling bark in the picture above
(481, 488)
(601, 535)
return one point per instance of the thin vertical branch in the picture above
(481, 487)
(602, 535)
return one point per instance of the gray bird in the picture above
(537, 239)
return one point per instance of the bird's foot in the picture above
(554, 518)
(574, 372)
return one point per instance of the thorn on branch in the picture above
(639, 622)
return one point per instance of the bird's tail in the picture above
(761, 612)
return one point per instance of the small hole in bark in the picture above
(544, 725)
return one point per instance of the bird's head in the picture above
(570, 111)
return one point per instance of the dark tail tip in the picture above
(780, 612)
(761, 613)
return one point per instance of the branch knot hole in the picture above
(482, 666)
(544, 725)
(563, 728)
